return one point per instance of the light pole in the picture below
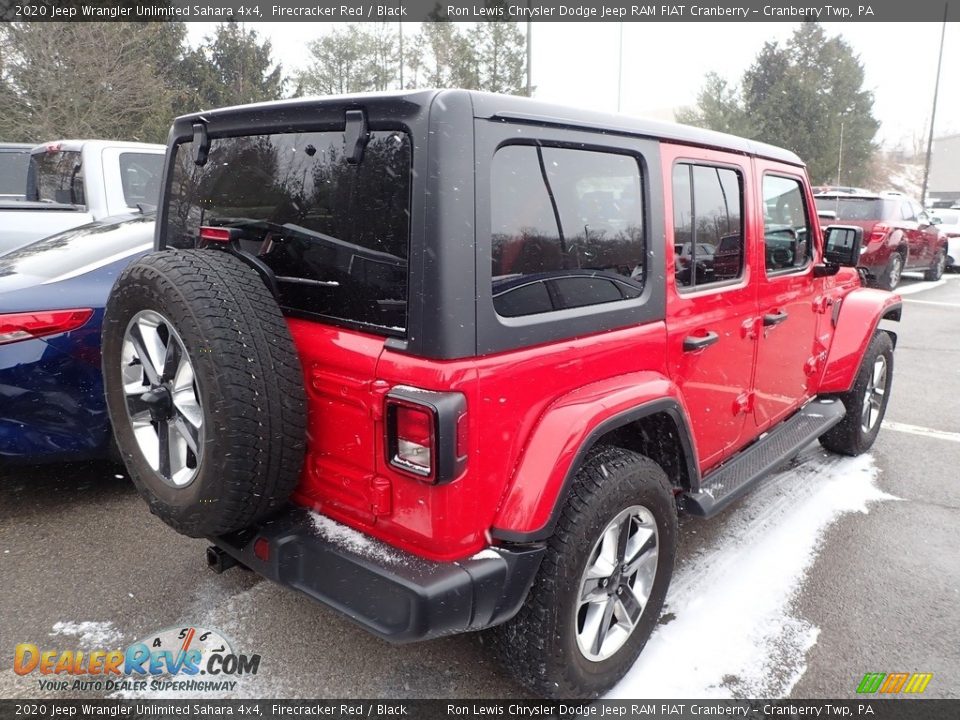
(933, 112)
(620, 68)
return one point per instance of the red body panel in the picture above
(529, 411)
(860, 312)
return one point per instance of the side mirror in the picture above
(935, 221)
(841, 245)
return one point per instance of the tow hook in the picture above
(218, 560)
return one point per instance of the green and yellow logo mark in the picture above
(894, 683)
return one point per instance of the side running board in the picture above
(745, 469)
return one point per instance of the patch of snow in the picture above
(93, 634)
(733, 633)
(485, 554)
(354, 541)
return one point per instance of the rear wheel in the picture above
(600, 589)
(939, 265)
(866, 402)
(204, 390)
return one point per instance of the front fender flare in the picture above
(856, 321)
(531, 504)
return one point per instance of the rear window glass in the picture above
(56, 177)
(847, 208)
(13, 172)
(140, 177)
(336, 235)
(567, 229)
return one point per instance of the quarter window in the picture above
(567, 229)
(786, 224)
(140, 177)
(707, 224)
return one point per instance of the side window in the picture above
(140, 177)
(567, 229)
(907, 211)
(786, 224)
(707, 224)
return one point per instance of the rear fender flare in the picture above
(861, 311)
(568, 430)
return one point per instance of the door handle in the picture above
(692, 343)
(774, 318)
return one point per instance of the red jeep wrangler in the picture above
(429, 358)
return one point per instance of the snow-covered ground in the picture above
(731, 629)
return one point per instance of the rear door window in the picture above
(707, 224)
(567, 229)
(336, 235)
(140, 177)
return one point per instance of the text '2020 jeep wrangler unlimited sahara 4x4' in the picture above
(455, 323)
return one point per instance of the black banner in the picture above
(481, 10)
(913, 709)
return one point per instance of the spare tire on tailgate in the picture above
(204, 389)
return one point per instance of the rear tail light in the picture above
(427, 433)
(25, 326)
(878, 233)
(215, 234)
(415, 438)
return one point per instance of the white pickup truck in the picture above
(73, 182)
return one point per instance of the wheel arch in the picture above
(856, 317)
(655, 427)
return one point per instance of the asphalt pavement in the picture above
(84, 565)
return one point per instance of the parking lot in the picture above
(833, 568)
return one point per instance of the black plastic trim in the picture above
(393, 594)
(663, 405)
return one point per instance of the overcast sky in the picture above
(664, 64)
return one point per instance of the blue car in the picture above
(52, 294)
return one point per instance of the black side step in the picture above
(739, 474)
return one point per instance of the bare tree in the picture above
(103, 80)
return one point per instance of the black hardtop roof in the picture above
(520, 109)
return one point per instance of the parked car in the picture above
(14, 161)
(949, 223)
(73, 182)
(898, 235)
(512, 466)
(52, 294)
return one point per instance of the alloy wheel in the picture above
(874, 394)
(616, 583)
(163, 403)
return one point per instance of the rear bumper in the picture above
(392, 594)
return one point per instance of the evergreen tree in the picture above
(799, 96)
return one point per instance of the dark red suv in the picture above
(898, 234)
(429, 358)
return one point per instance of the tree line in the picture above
(128, 81)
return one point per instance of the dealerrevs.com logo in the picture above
(180, 659)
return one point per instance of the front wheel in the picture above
(866, 402)
(600, 589)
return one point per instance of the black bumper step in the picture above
(739, 474)
(393, 594)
